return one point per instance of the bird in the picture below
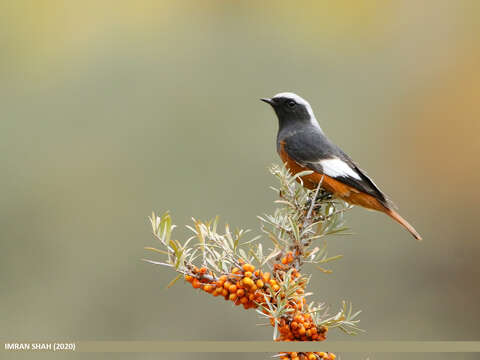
(302, 145)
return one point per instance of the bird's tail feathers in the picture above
(396, 216)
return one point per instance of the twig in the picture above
(309, 214)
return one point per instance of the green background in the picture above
(112, 109)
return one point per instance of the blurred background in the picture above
(109, 110)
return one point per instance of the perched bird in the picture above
(302, 145)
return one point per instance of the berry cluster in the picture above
(308, 356)
(254, 288)
(244, 286)
(300, 328)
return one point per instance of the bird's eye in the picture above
(291, 103)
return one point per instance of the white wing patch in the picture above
(337, 168)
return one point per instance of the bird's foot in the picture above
(324, 195)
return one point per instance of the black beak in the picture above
(267, 100)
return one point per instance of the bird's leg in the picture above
(320, 195)
(323, 195)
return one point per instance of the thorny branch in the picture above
(222, 263)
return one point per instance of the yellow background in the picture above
(112, 109)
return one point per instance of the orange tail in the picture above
(396, 216)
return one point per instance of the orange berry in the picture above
(227, 284)
(311, 356)
(224, 292)
(266, 276)
(284, 260)
(298, 318)
(294, 325)
(248, 282)
(233, 297)
(260, 283)
(236, 270)
(189, 278)
(275, 287)
(208, 288)
(203, 270)
(302, 330)
(232, 288)
(257, 273)
(249, 267)
(248, 274)
(240, 292)
(237, 301)
(196, 284)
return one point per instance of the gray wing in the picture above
(316, 152)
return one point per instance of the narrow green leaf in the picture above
(156, 250)
(170, 284)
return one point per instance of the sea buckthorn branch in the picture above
(304, 217)
(222, 263)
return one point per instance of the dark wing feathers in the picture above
(365, 184)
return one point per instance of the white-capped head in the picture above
(291, 107)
